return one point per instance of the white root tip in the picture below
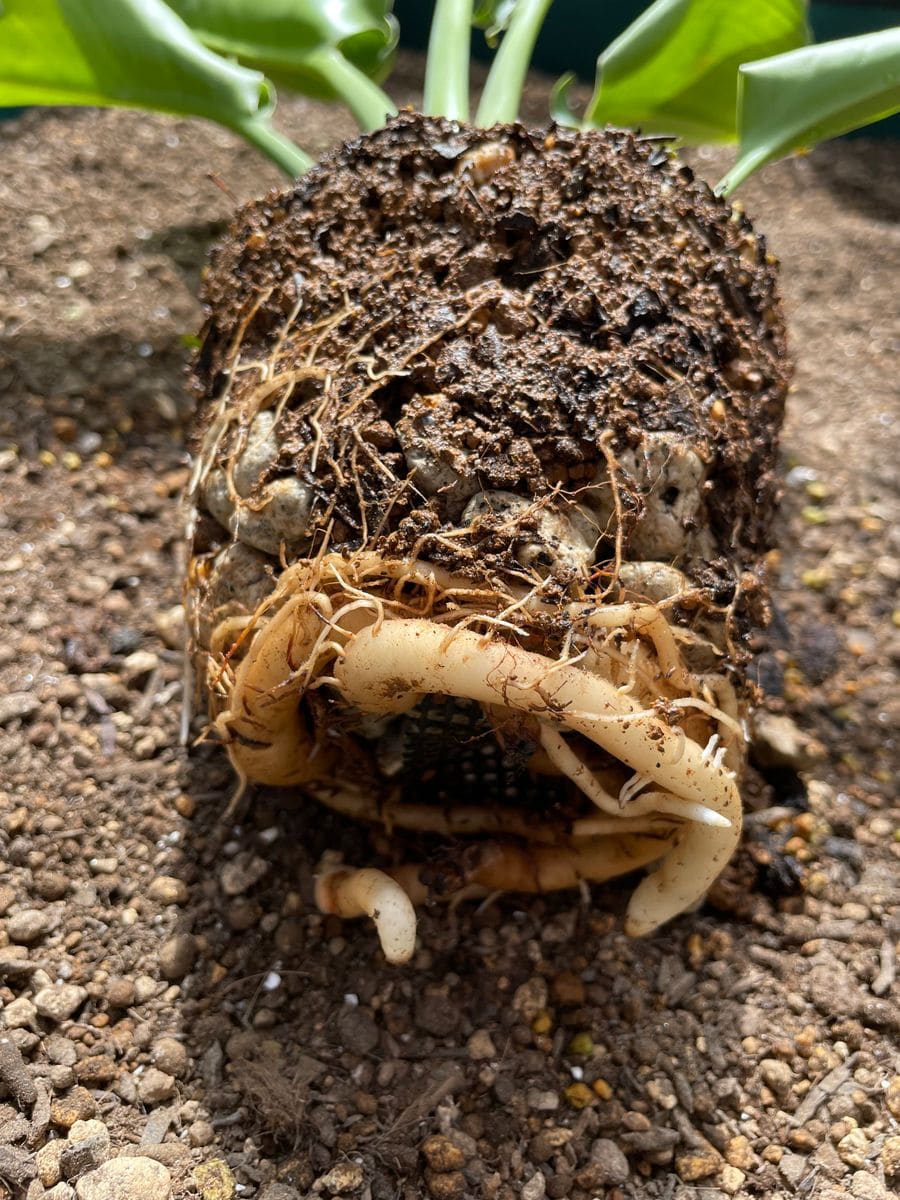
(372, 893)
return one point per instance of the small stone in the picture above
(535, 1188)
(892, 1097)
(82, 1130)
(864, 1186)
(166, 889)
(610, 1163)
(52, 885)
(853, 1148)
(776, 1075)
(738, 1153)
(201, 1133)
(62, 1191)
(698, 1164)
(278, 1191)
(96, 1071)
(137, 1178)
(731, 1180)
(19, 1014)
(155, 1086)
(177, 956)
(17, 705)
(530, 998)
(357, 1030)
(567, 989)
(215, 1180)
(47, 1160)
(437, 1015)
(579, 1095)
(77, 1105)
(171, 1057)
(120, 992)
(239, 875)
(60, 1001)
(792, 1168)
(481, 1046)
(445, 1185)
(29, 925)
(345, 1177)
(145, 988)
(441, 1154)
(890, 1157)
(87, 1147)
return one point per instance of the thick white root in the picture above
(344, 892)
(385, 668)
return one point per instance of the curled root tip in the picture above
(369, 892)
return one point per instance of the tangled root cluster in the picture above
(488, 422)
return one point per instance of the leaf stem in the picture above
(369, 104)
(280, 149)
(503, 90)
(447, 68)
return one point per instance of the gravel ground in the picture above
(177, 1020)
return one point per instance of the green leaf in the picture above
(560, 108)
(674, 70)
(323, 48)
(493, 16)
(446, 91)
(503, 87)
(793, 101)
(133, 54)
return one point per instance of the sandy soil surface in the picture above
(166, 977)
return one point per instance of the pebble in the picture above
(776, 1075)
(610, 1163)
(170, 1056)
(345, 1177)
(215, 1180)
(19, 1014)
(29, 925)
(16, 705)
(445, 1185)
(738, 1153)
(166, 889)
(136, 1178)
(201, 1133)
(892, 1097)
(357, 1030)
(731, 1180)
(437, 1015)
(853, 1148)
(864, 1186)
(155, 1086)
(59, 1002)
(697, 1164)
(61, 1191)
(77, 1105)
(47, 1161)
(177, 956)
(535, 1188)
(145, 988)
(890, 1157)
(792, 1168)
(481, 1046)
(120, 992)
(441, 1154)
(242, 873)
(278, 1191)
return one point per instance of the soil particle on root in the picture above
(670, 1033)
